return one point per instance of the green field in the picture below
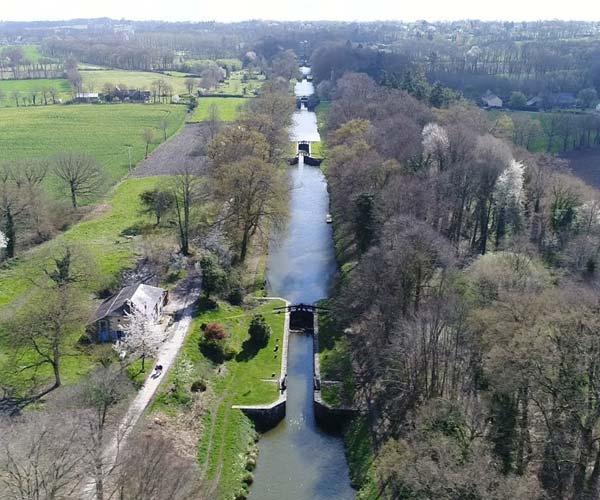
(101, 239)
(235, 85)
(26, 87)
(227, 433)
(94, 81)
(103, 131)
(228, 108)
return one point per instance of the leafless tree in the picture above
(149, 138)
(41, 456)
(82, 174)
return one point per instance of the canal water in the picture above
(297, 460)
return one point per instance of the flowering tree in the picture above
(3, 240)
(508, 198)
(142, 337)
(435, 144)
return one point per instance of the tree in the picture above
(213, 276)
(190, 85)
(253, 193)
(149, 138)
(100, 392)
(151, 469)
(142, 337)
(164, 126)
(82, 174)
(259, 330)
(156, 202)
(42, 330)
(3, 240)
(285, 65)
(587, 97)
(40, 456)
(517, 100)
(188, 190)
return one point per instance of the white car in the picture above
(329, 219)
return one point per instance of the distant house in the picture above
(86, 97)
(562, 100)
(490, 100)
(536, 103)
(107, 323)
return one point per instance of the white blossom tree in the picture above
(3, 240)
(435, 144)
(141, 339)
(508, 198)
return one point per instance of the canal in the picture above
(298, 460)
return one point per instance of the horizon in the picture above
(303, 10)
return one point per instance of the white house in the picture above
(490, 100)
(107, 323)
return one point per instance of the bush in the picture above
(198, 386)
(259, 330)
(215, 332)
(236, 296)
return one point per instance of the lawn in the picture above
(228, 108)
(101, 239)
(227, 433)
(25, 88)
(235, 85)
(94, 81)
(103, 131)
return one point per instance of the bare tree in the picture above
(163, 125)
(40, 457)
(149, 138)
(151, 470)
(82, 174)
(190, 85)
(188, 190)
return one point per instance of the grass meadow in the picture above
(228, 108)
(103, 131)
(25, 88)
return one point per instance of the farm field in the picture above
(228, 108)
(26, 87)
(93, 81)
(228, 433)
(585, 165)
(103, 131)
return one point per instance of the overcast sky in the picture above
(344, 10)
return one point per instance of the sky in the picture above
(341, 10)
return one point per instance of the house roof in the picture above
(143, 297)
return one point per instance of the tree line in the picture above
(468, 300)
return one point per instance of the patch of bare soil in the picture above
(585, 165)
(187, 148)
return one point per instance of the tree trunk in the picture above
(73, 197)
(10, 234)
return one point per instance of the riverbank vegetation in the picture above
(467, 301)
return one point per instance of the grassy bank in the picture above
(248, 378)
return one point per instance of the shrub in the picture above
(215, 332)
(259, 330)
(198, 386)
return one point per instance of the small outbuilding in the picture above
(110, 318)
(87, 97)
